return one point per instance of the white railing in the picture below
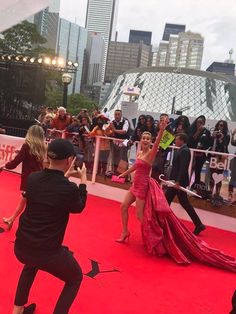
(206, 152)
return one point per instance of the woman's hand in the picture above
(121, 175)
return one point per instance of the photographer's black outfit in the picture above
(220, 144)
(179, 173)
(51, 197)
(203, 142)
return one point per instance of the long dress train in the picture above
(163, 233)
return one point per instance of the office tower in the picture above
(222, 67)
(138, 36)
(47, 22)
(94, 58)
(190, 50)
(124, 56)
(162, 53)
(171, 55)
(101, 18)
(174, 29)
(72, 40)
(183, 50)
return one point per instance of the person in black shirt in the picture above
(50, 198)
(179, 173)
(199, 138)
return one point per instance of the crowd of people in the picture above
(48, 197)
(113, 158)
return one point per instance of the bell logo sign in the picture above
(222, 165)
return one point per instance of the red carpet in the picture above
(130, 281)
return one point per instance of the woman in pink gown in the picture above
(162, 232)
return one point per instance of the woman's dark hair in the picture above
(87, 118)
(139, 124)
(153, 128)
(225, 129)
(193, 126)
(185, 121)
(148, 117)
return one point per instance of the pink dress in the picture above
(139, 187)
(164, 234)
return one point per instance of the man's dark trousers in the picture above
(60, 264)
(183, 200)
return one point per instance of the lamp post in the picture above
(66, 80)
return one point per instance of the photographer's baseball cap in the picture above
(60, 149)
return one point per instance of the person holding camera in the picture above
(50, 198)
(199, 138)
(232, 182)
(100, 130)
(220, 140)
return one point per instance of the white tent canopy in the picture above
(15, 11)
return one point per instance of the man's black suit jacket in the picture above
(180, 164)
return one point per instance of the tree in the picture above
(22, 38)
(76, 102)
(53, 98)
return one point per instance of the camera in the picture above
(79, 160)
(218, 133)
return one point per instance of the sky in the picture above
(215, 20)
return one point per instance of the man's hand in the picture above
(77, 172)
(83, 174)
(176, 186)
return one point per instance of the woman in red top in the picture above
(31, 155)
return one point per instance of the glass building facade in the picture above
(72, 42)
(174, 29)
(138, 36)
(165, 88)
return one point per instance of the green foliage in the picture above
(22, 38)
(76, 102)
(53, 98)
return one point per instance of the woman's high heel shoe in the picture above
(30, 309)
(124, 238)
(8, 222)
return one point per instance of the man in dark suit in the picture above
(179, 174)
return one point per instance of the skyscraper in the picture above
(162, 53)
(94, 57)
(137, 36)
(190, 50)
(183, 50)
(101, 18)
(72, 40)
(174, 29)
(47, 22)
(124, 56)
